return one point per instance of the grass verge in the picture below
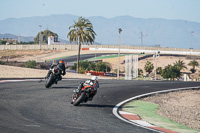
(147, 111)
(105, 57)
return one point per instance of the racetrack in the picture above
(30, 107)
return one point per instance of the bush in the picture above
(87, 66)
(2, 63)
(171, 72)
(30, 64)
(44, 66)
(140, 71)
(102, 67)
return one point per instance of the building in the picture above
(10, 41)
(50, 40)
(53, 40)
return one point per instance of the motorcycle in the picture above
(85, 92)
(54, 76)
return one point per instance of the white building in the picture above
(51, 40)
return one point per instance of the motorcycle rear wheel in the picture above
(80, 99)
(49, 81)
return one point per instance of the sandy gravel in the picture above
(19, 72)
(182, 107)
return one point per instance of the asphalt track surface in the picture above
(84, 57)
(30, 107)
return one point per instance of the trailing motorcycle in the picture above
(54, 75)
(85, 91)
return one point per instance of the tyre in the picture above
(81, 98)
(49, 81)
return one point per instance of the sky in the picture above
(167, 9)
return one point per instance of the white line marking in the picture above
(143, 123)
(122, 112)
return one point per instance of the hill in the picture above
(154, 31)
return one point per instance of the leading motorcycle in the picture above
(54, 76)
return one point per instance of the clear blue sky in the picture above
(167, 9)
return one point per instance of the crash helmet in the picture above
(94, 78)
(61, 61)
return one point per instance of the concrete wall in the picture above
(74, 46)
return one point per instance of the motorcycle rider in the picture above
(94, 82)
(61, 67)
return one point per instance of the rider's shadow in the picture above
(97, 105)
(62, 87)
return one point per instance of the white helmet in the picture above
(94, 78)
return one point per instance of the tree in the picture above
(44, 36)
(180, 65)
(103, 67)
(81, 33)
(140, 71)
(148, 67)
(171, 72)
(159, 70)
(2, 42)
(194, 64)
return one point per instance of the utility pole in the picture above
(156, 55)
(192, 34)
(40, 37)
(141, 33)
(120, 30)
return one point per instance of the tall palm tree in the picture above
(180, 65)
(81, 33)
(194, 64)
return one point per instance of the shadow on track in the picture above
(97, 106)
(62, 87)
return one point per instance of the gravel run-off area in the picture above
(182, 106)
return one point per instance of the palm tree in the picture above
(81, 33)
(180, 65)
(194, 64)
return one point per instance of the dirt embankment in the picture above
(182, 107)
(20, 72)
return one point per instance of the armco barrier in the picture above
(95, 73)
(85, 48)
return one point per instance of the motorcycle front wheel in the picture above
(49, 81)
(80, 99)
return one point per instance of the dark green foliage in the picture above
(102, 67)
(30, 64)
(2, 42)
(2, 63)
(148, 67)
(193, 70)
(171, 72)
(159, 70)
(194, 64)
(88, 66)
(180, 65)
(140, 71)
(30, 42)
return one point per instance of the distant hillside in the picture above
(11, 36)
(155, 31)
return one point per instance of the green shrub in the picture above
(2, 63)
(103, 67)
(30, 64)
(87, 66)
